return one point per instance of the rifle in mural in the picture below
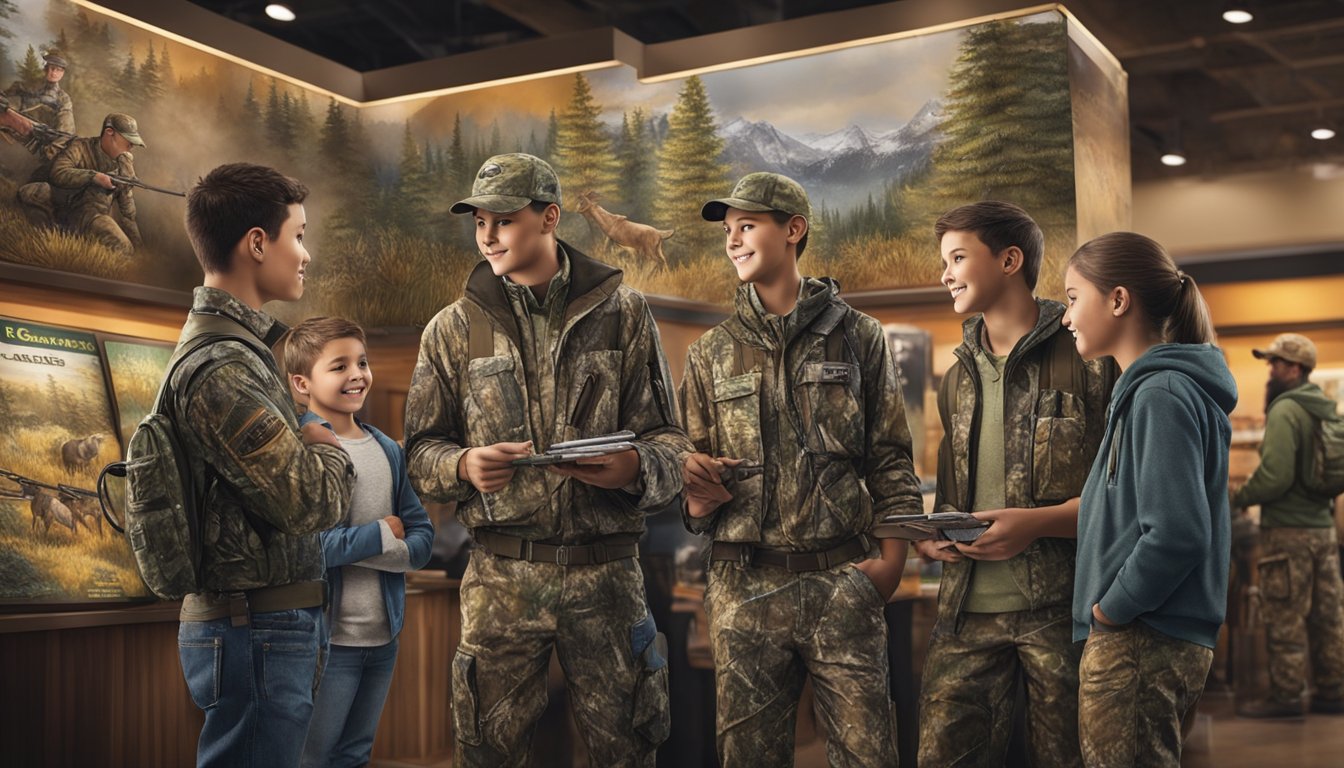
(41, 131)
(131, 181)
(61, 504)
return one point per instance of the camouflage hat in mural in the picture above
(124, 125)
(761, 192)
(506, 183)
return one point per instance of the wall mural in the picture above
(884, 136)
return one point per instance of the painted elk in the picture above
(76, 454)
(644, 240)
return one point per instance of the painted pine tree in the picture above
(690, 171)
(1008, 124)
(30, 69)
(637, 154)
(583, 156)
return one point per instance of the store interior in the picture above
(1169, 120)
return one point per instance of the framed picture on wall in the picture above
(135, 368)
(912, 349)
(60, 430)
(1331, 382)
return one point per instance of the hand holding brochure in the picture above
(949, 526)
(573, 450)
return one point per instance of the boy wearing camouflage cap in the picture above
(546, 346)
(801, 446)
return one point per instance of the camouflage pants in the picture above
(769, 630)
(1302, 606)
(1136, 688)
(36, 199)
(597, 620)
(966, 706)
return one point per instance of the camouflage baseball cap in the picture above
(124, 125)
(1292, 347)
(54, 57)
(506, 183)
(761, 192)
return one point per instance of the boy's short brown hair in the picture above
(999, 226)
(304, 342)
(232, 199)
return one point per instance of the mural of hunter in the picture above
(885, 136)
(58, 435)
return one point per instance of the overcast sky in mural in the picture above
(877, 86)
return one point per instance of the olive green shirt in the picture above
(992, 587)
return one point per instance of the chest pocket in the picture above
(1060, 462)
(828, 409)
(496, 412)
(595, 405)
(737, 411)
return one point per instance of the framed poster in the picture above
(60, 431)
(135, 368)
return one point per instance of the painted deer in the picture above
(642, 239)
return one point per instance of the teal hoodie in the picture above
(1285, 455)
(1154, 525)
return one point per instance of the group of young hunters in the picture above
(1092, 436)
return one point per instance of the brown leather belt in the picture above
(795, 562)
(207, 606)
(604, 550)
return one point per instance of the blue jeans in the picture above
(349, 704)
(255, 684)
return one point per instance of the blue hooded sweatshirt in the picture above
(1154, 527)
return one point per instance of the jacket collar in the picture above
(818, 298)
(1047, 325)
(217, 302)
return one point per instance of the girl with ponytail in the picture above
(1153, 524)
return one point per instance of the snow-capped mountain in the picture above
(841, 168)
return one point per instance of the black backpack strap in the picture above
(1061, 369)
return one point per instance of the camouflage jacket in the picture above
(49, 105)
(832, 434)
(609, 375)
(75, 195)
(1050, 439)
(271, 494)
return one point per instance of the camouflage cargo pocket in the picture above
(1276, 582)
(466, 699)
(652, 712)
(1059, 461)
(595, 406)
(496, 413)
(832, 420)
(737, 414)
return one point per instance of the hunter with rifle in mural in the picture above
(42, 118)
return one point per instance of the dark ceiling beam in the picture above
(1313, 105)
(550, 18)
(1314, 62)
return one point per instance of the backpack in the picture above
(164, 515)
(1324, 475)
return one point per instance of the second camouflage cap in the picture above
(761, 192)
(506, 183)
(1293, 347)
(124, 125)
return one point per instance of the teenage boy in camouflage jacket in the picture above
(546, 346)
(1023, 416)
(801, 447)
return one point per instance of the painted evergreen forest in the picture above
(986, 116)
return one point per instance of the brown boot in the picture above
(1327, 706)
(1271, 710)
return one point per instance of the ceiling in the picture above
(1234, 98)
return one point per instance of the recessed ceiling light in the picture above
(1323, 134)
(279, 12)
(1237, 15)
(1173, 159)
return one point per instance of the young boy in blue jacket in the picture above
(386, 534)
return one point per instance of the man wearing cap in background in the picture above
(49, 105)
(81, 191)
(1301, 596)
(546, 346)
(801, 447)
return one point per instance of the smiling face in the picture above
(758, 246)
(280, 273)
(1090, 316)
(339, 381)
(971, 272)
(514, 242)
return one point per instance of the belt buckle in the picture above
(745, 554)
(562, 555)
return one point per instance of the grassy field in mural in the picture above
(136, 370)
(51, 248)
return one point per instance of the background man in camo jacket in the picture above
(546, 346)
